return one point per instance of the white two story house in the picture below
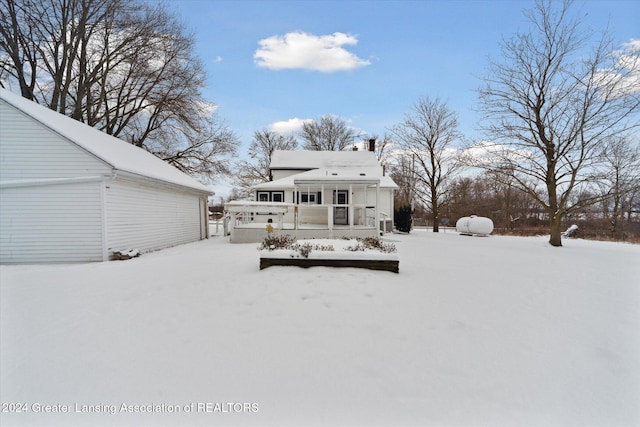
(317, 194)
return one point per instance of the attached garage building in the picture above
(71, 193)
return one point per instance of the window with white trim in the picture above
(270, 196)
(309, 198)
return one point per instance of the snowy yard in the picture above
(497, 331)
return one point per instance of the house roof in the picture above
(117, 153)
(306, 160)
(326, 167)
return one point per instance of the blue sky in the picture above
(377, 58)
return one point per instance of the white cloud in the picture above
(487, 153)
(625, 72)
(218, 59)
(629, 60)
(207, 108)
(307, 51)
(289, 126)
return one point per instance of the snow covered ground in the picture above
(496, 331)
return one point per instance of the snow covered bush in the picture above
(272, 242)
(375, 243)
(286, 241)
(303, 249)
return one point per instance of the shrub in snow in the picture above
(304, 249)
(402, 218)
(272, 242)
(375, 243)
(286, 241)
(327, 248)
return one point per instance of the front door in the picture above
(340, 213)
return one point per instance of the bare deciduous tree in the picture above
(331, 133)
(427, 136)
(264, 143)
(620, 182)
(383, 148)
(402, 172)
(553, 106)
(126, 68)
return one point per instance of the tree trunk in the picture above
(435, 208)
(555, 238)
(555, 217)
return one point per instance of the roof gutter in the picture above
(161, 183)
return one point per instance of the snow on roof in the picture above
(327, 166)
(117, 153)
(356, 175)
(303, 159)
(340, 174)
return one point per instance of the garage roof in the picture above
(117, 153)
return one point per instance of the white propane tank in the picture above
(473, 224)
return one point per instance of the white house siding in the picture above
(51, 223)
(146, 217)
(30, 150)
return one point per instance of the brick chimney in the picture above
(372, 145)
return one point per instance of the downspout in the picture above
(206, 217)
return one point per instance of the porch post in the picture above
(366, 203)
(330, 213)
(350, 218)
(378, 208)
(296, 201)
(322, 198)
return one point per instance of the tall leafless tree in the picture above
(124, 67)
(550, 106)
(620, 181)
(402, 172)
(256, 170)
(331, 133)
(383, 148)
(428, 136)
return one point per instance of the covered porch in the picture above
(321, 208)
